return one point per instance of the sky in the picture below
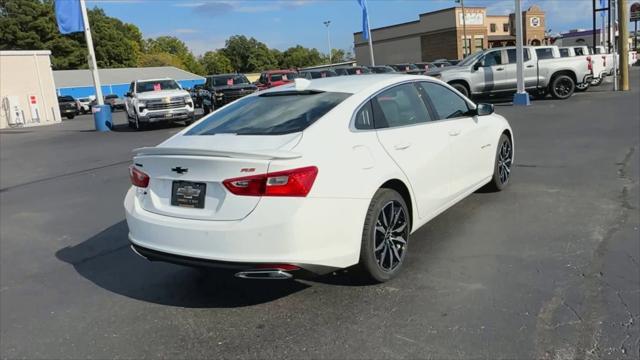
(205, 24)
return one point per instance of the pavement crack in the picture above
(572, 310)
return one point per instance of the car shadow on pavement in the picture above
(107, 261)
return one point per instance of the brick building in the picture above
(440, 34)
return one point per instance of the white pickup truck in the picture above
(493, 71)
(598, 63)
(157, 100)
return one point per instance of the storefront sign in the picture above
(474, 18)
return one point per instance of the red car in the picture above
(273, 78)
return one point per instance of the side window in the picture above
(131, 87)
(578, 51)
(511, 54)
(545, 53)
(399, 106)
(564, 52)
(364, 117)
(446, 103)
(493, 58)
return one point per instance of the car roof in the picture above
(278, 71)
(353, 84)
(144, 80)
(230, 74)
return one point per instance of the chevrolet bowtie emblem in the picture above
(180, 170)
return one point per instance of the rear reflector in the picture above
(138, 178)
(589, 65)
(295, 182)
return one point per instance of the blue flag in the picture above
(365, 19)
(69, 16)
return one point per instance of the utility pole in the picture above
(327, 23)
(623, 44)
(521, 97)
(464, 30)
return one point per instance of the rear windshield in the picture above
(275, 113)
(111, 97)
(157, 85)
(65, 98)
(229, 80)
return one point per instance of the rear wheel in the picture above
(502, 165)
(70, 116)
(597, 82)
(562, 87)
(205, 108)
(582, 87)
(385, 236)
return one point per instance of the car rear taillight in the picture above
(295, 182)
(589, 64)
(138, 178)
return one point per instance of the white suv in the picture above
(157, 100)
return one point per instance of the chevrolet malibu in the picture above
(315, 176)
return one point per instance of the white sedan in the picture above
(315, 176)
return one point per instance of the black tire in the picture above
(597, 82)
(582, 87)
(137, 124)
(387, 225)
(190, 121)
(206, 109)
(562, 87)
(502, 166)
(70, 117)
(461, 88)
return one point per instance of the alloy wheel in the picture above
(390, 239)
(563, 87)
(505, 157)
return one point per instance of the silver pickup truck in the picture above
(493, 71)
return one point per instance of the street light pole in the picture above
(327, 23)
(521, 97)
(464, 30)
(623, 44)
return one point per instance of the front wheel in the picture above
(562, 87)
(502, 165)
(461, 88)
(385, 236)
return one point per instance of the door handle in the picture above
(402, 146)
(529, 66)
(499, 69)
(454, 132)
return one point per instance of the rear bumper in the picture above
(318, 235)
(587, 78)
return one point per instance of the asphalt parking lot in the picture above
(549, 268)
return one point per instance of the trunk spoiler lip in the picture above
(250, 154)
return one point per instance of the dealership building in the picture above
(440, 34)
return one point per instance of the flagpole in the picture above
(93, 66)
(373, 63)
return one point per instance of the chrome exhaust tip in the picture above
(264, 274)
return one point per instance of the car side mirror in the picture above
(127, 94)
(477, 65)
(484, 109)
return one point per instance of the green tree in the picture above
(174, 46)
(160, 59)
(31, 25)
(116, 44)
(248, 55)
(215, 62)
(300, 56)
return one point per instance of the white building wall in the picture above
(26, 74)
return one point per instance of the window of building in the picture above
(466, 46)
(493, 27)
(478, 44)
(505, 27)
